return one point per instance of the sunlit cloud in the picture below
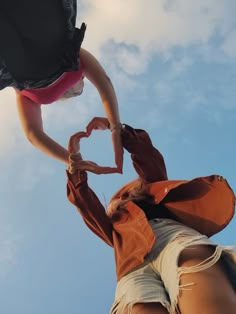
(156, 27)
(10, 132)
(129, 35)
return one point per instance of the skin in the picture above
(30, 114)
(75, 159)
(148, 308)
(212, 292)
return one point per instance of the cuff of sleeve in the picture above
(77, 178)
(135, 140)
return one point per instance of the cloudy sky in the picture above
(173, 64)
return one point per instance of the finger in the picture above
(75, 157)
(83, 164)
(73, 145)
(119, 160)
(94, 168)
(118, 150)
(97, 123)
(105, 170)
(89, 129)
(90, 126)
(80, 135)
(93, 164)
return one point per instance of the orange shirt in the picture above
(205, 203)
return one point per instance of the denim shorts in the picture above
(157, 280)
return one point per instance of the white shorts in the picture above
(157, 280)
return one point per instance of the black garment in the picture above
(38, 41)
(153, 211)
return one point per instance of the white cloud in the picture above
(168, 85)
(8, 122)
(132, 61)
(127, 35)
(157, 26)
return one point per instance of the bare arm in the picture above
(31, 120)
(98, 77)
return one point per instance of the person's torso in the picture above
(205, 204)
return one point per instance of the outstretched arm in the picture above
(31, 120)
(89, 206)
(98, 77)
(147, 160)
(80, 194)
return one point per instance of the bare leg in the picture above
(149, 308)
(212, 292)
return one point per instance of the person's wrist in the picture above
(115, 127)
(73, 158)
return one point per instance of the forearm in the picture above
(147, 160)
(109, 100)
(31, 121)
(150, 167)
(48, 146)
(98, 77)
(89, 206)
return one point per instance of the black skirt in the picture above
(38, 41)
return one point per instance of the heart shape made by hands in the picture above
(75, 159)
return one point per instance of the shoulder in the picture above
(90, 62)
(23, 100)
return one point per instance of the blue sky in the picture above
(173, 64)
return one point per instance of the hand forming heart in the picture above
(76, 163)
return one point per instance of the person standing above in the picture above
(42, 59)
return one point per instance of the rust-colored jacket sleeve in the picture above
(147, 160)
(89, 206)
